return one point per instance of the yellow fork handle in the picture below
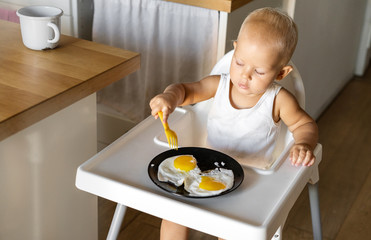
(166, 126)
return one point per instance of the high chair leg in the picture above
(315, 211)
(278, 234)
(118, 217)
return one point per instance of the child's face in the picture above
(255, 65)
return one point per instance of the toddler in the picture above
(248, 105)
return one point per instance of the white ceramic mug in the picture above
(40, 26)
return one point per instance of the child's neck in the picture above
(241, 101)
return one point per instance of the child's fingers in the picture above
(165, 114)
(155, 107)
(154, 113)
(309, 159)
(301, 157)
(310, 163)
(294, 155)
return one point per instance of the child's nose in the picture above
(247, 73)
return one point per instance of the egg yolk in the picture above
(185, 163)
(209, 184)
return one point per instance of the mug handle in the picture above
(57, 34)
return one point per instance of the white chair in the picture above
(256, 210)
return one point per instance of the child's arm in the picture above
(182, 94)
(302, 126)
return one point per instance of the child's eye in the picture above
(239, 63)
(260, 73)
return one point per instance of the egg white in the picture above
(168, 173)
(192, 182)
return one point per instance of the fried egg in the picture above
(176, 169)
(209, 183)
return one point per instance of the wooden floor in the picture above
(345, 178)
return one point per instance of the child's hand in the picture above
(301, 154)
(163, 102)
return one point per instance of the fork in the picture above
(171, 136)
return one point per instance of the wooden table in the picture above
(47, 129)
(36, 84)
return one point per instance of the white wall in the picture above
(329, 36)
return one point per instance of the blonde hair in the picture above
(281, 26)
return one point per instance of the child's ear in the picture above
(234, 44)
(284, 72)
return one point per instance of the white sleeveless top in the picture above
(248, 135)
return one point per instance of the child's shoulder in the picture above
(285, 94)
(285, 99)
(211, 80)
(205, 88)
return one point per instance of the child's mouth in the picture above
(243, 86)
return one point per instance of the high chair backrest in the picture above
(292, 83)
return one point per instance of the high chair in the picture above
(257, 209)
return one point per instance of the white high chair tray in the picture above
(255, 210)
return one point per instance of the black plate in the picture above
(206, 159)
